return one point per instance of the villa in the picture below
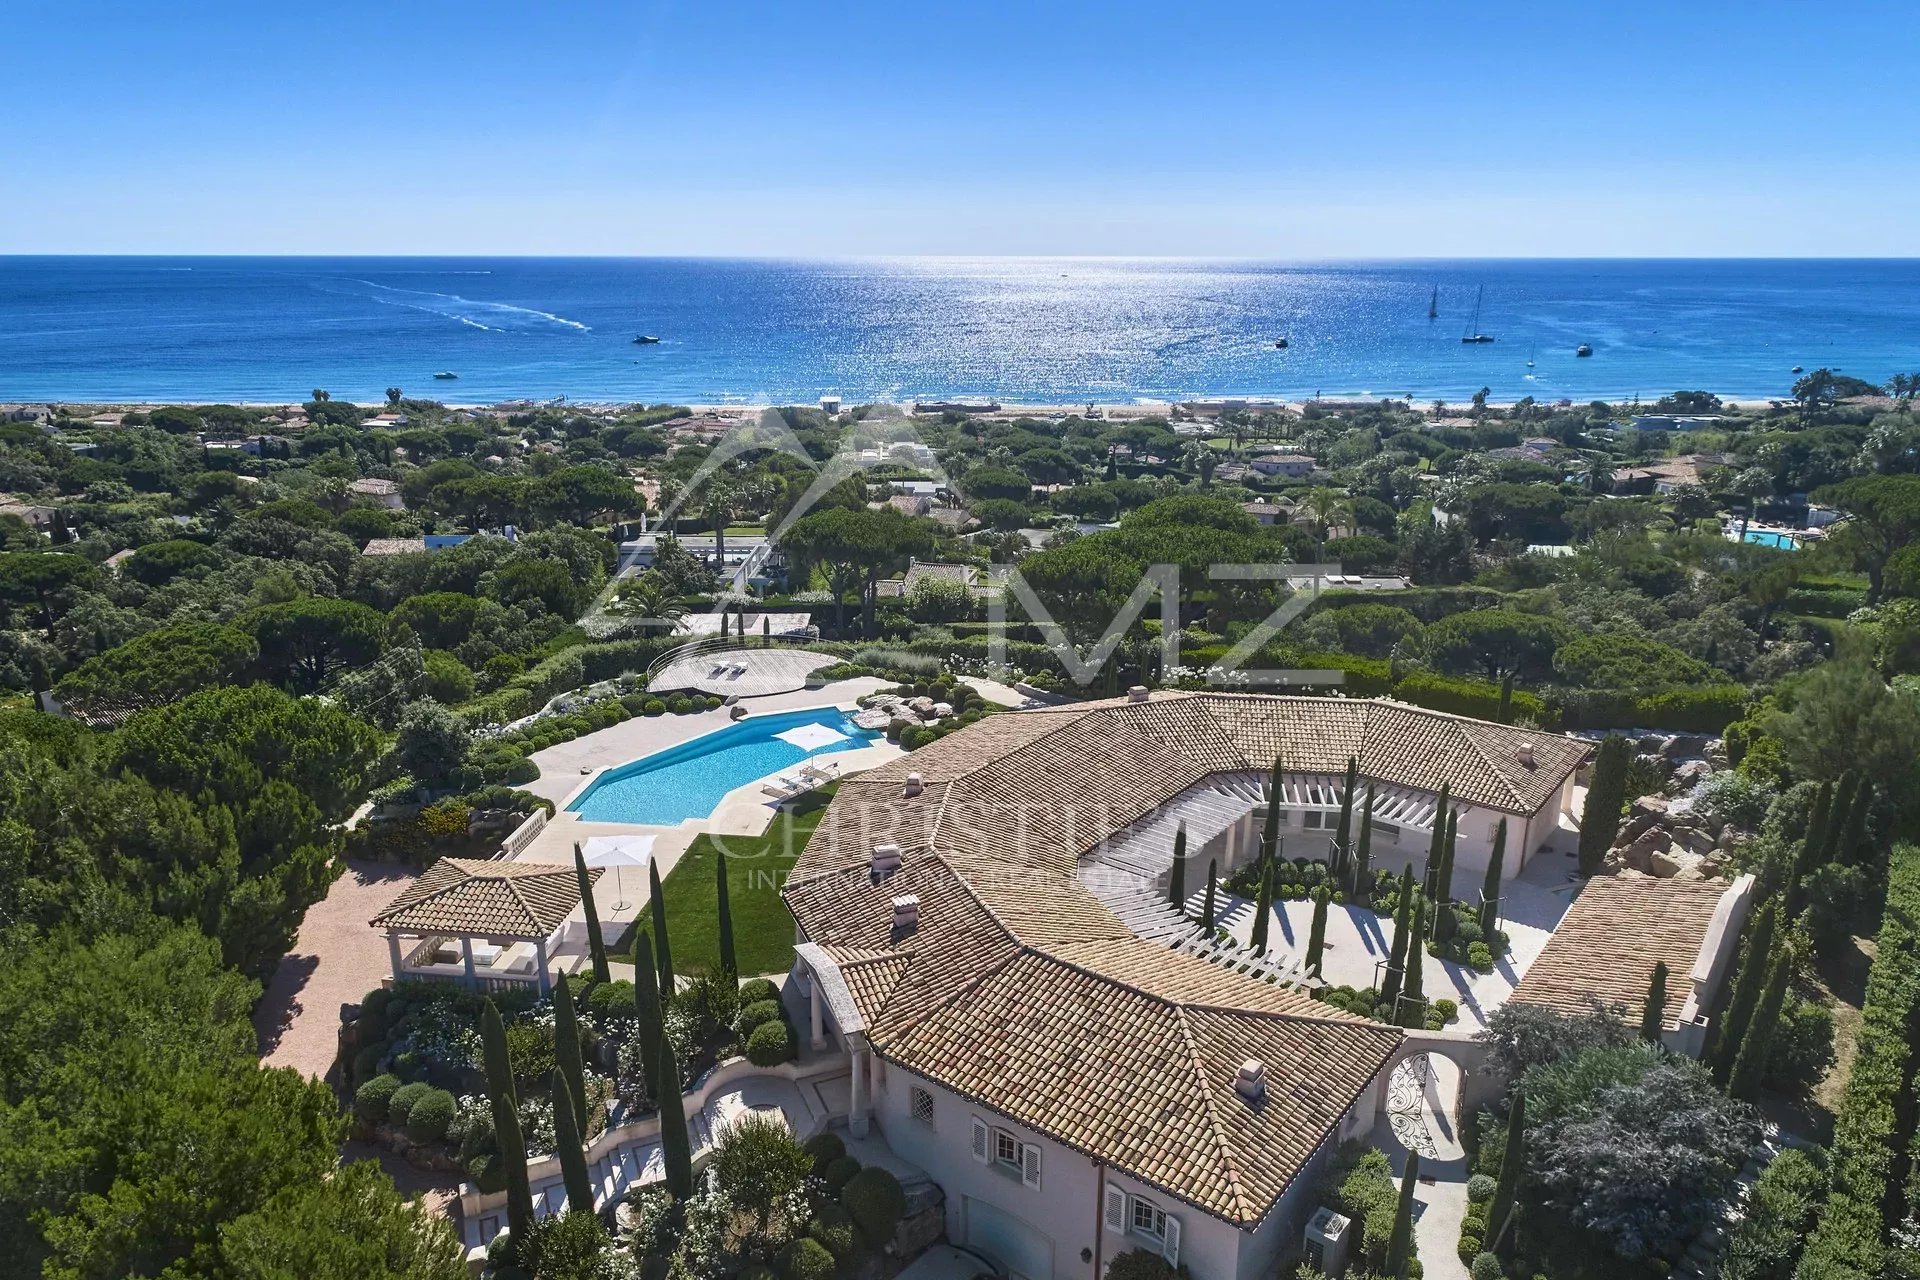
(983, 930)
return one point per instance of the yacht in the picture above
(446, 375)
(1584, 349)
(1473, 334)
(645, 340)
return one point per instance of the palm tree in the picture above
(1751, 484)
(1596, 472)
(1202, 458)
(1324, 507)
(393, 397)
(719, 498)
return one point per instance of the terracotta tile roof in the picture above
(1606, 945)
(478, 897)
(1021, 990)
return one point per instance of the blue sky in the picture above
(1278, 130)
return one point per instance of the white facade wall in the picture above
(1068, 1206)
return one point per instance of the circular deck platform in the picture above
(745, 673)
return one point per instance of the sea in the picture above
(1062, 331)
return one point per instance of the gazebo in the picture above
(490, 925)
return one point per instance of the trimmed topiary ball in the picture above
(756, 1015)
(431, 1114)
(1480, 1188)
(1486, 1266)
(807, 1259)
(839, 1173)
(754, 990)
(874, 1198)
(771, 1044)
(370, 1100)
(400, 1105)
(833, 1227)
(825, 1148)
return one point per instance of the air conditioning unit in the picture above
(1325, 1245)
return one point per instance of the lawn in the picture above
(757, 868)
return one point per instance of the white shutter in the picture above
(1170, 1247)
(981, 1139)
(1116, 1211)
(1030, 1164)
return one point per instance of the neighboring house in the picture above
(1351, 582)
(638, 553)
(1692, 926)
(908, 504)
(965, 574)
(38, 516)
(1293, 466)
(393, 546)
(983, 930)
(1676, 421)
(1269, 512)
(384, 493)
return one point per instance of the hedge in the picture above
(571, 668)
(1825, 602)
(1694, 709)
(1473, 698)
(1849, 1243)
(1429, 604)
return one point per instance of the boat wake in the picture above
(494, 317)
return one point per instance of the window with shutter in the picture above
(1170, 1243)
(1116, 1210)
(980, 1135)
(1030, 1165)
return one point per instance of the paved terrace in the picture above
(745, 672)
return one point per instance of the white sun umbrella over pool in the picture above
(811, 737)
(617, 852)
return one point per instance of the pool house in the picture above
(491, 926)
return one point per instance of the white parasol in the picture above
(617, 852)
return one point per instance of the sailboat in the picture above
(1433, 304)
(1473, 333)
(1530, 351)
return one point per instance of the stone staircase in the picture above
(1703, 1256)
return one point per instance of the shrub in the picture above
(679, 704)
(839, 1173)
(756, 1015)
(1139, 1264)
(432, 1112)
(1479, 1189)
(1782, 1205)
(1469, 1248)
(754, 990)
(1480, 958)
(1363, 1188)
(825, 1148)
(653, 707)
(1486, 1266)
(487, 1173)
(1447, 1009)
(806, 1259)
(1468, 698)
(770, 1044)
(400, 1105)
(371, 1100)
(366, 1063)
(758, 1271)
(1801, 1049)
(833, 1227)
(611, 1000)
(874, 1198)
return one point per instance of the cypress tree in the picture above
(1317, 935)
(1177, 877)
(1506, 698)
(1413, 991)
(1343, 834)
(1746, 989)
(676, 1149)
(1513, 1163)
(1812, 845)
(649, 1022)
(1363, 853)
(1443, 916)
(1606, 796)
(1263, 908)
(1436, 845)
(1270, 834)
(1397, 954)
(1400, 1244)
(728, 962)
(569, 1147)
(1853, 836)
(1743, 1081)
(1653, 1018)
(506, 1123)
(662, 951)
(1213, 886)
(566, 1046)
(1490, 887)
(596, 945)
(1837, 815)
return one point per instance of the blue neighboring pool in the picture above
(1770, 538)
(688, 781)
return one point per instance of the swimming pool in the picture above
(1773, 538)
(688, 781)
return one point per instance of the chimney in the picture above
(1251, 1082)
(914, 786)
(1525, 752)
(1137, 694)
(906, 913)
(885, 861)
